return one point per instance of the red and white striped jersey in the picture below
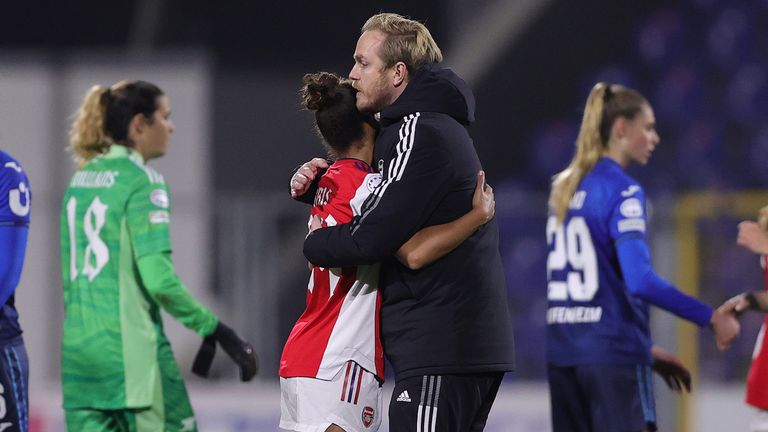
(341, 321)
(757, 379)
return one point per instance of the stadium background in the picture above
(232, 70)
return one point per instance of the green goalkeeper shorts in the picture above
(170, 411)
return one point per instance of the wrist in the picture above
(714, 318)
(752, 301)
(479, 217)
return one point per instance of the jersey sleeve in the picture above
(159, 276)
(15, 194)
(148, 215)
(628, 217)
(643, 282)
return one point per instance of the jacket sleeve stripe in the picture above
(404, 133)
(406, 154)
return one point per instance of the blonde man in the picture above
(445, 327)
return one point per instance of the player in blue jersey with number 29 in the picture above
(600, 278)
(15, 200)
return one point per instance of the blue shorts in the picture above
(602, 398)
(14, 383)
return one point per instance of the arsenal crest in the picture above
(368, 416)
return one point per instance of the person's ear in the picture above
(400, 75)
(138, 122)
(619, 127)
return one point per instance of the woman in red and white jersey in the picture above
(754, 236)
(332, 365)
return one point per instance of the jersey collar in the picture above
(121, 151)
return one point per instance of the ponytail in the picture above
(589, 147)
(86, 137)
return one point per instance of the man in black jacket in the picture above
(446, 328)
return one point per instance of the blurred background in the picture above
(232, 70)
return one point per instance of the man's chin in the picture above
(365, 106)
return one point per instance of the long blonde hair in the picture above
(86, 136)
(408, 41)
(606, 103)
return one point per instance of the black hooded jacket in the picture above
(452, 315)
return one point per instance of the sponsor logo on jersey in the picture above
(631, 190)
(368, 413)
(631, 208)
(159, 197)
(373, 181)
(381, 166)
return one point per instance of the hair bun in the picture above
(320, 90)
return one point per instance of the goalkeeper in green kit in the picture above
(118, 371)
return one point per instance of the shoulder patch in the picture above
(372, 181)
(159, 197)
(631, 208)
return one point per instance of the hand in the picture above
(735, 305)
(305, 175)
(240, 351)
(672, 369)
(752, 237)
(315, 222)
(483, 201)
(726, 328)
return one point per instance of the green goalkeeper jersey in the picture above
(114, 224)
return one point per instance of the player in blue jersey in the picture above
(15, 199)
(600, 278)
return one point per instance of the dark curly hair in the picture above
(337, 120)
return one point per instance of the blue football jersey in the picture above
(15, 203)
(591, 317)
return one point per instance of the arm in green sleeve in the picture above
(162, 282)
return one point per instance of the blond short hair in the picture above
(408, 41)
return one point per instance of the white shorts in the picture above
(759, 421)
(352, 400)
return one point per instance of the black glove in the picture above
(240, 351)
(675, 374)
